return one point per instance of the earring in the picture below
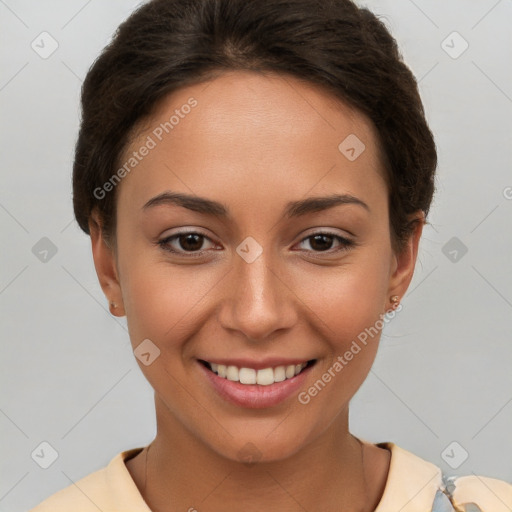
(395, 301)
(113, 305)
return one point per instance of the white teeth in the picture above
(279, 374)
(264, 377)
(247, 376)
(232, 373)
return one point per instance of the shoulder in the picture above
(84, 495)
(476, 493)
(109, 489)
(416, 485)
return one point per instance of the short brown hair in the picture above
(168, 44)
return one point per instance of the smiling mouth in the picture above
(263, 377)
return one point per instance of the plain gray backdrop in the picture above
(441, 385)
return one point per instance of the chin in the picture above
(263, 446)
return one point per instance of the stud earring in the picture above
(113, 305)
(395, 301)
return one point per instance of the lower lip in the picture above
(255, 396)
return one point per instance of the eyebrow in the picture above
(292, 209)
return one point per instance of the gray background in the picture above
(442, 374)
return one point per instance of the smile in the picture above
(263, 377)
(256, 384)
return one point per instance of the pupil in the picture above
(191, 238)
(321, 246)
(193, 242)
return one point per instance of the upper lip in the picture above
(260, 364)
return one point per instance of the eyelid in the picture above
(346, 243)
(184, 231)
(327, 231)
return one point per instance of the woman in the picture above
(255, 177)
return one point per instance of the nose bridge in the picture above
(257, 302)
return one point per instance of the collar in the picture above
(412, 482)
(124, 494)
(411, 485)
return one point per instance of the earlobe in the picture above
(404, 263)
(105, 265)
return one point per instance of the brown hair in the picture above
(168, 44)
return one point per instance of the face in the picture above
(260, 276)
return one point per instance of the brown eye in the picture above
(185, 242)
(322, 242)
(190, 242)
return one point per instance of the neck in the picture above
(179, 471)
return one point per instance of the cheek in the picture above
(155, 302)
(350, 305)
(352, 310)
(349, 299)
(163, 302)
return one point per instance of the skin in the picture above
(255, 142)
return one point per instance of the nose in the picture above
(257, 301)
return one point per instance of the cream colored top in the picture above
(413, 485)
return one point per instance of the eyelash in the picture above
(346, 244)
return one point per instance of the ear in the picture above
(403, 263)
(106, 266)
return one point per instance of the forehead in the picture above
(250, 137)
